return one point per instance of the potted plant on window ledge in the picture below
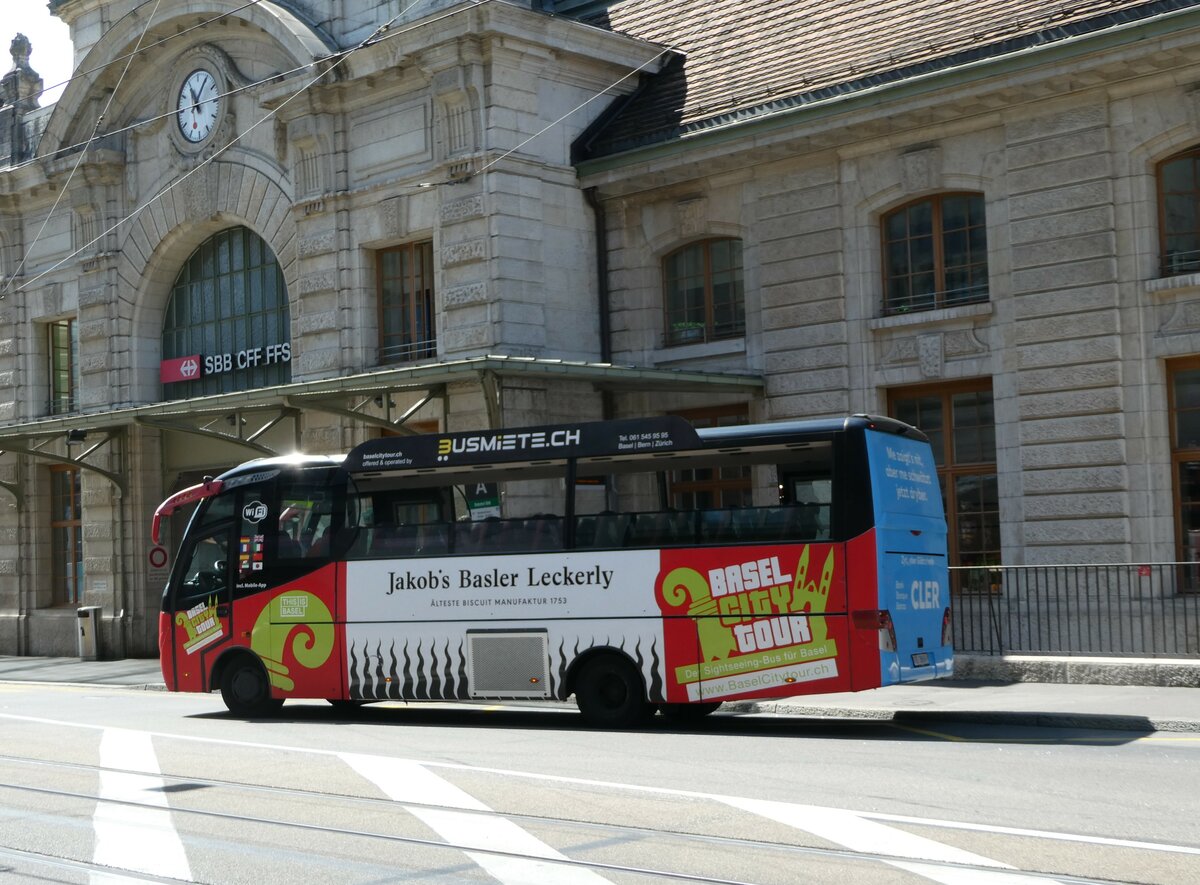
(685, 332)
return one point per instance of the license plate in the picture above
(921, 660)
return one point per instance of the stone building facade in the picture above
(250, 229)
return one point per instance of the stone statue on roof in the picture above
(21, 49)
(21, 85)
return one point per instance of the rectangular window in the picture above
(960, 424)
(66, 536)
(1185, 464)
(935, 254)
(406, 312)
(64, 366)
(704, 292)
(1179, 213)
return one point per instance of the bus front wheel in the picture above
(609, 693)
(246, 690)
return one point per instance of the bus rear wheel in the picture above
(610, 694)
(246, 690)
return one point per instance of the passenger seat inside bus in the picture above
(433, 538)
(319, 547)
(612, 529)
(545, 531)
(288, 547)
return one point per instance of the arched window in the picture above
(1179, 213)
(935, 253)
(227, 324)
(703, 292)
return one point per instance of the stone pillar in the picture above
(1066, 339)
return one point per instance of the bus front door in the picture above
(200, 606)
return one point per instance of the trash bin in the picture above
(89, 632)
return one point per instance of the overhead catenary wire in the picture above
(578, 107)
(95, 129)
(79, 75)
(334, 60)
(275, 77)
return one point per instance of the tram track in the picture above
(594, 830)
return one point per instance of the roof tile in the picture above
(740, 55)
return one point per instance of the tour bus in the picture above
(644, 566)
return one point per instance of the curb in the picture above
(1033, 718)
(1072, 670)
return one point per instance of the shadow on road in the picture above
(923, 726)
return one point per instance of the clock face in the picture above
(198, 103)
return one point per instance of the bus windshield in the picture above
(641, 566)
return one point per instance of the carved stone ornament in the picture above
(693, 216)
(929, 355)
(922, 170)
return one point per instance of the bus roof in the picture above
(596, 439)
(750, 434)
(279, 462)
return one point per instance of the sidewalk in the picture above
(130, 672)
(1122, 707)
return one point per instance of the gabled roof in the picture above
(742, 60)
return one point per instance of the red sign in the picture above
(158, 557)
(186, 368)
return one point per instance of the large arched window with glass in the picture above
(1179, 213)
(703, 292)
(935, 253)
(227, 323)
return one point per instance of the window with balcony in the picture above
(407, 330)
(1179, 213)
(935, 254)
(703, 292)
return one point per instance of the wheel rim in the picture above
(247, 686)
(613, 691)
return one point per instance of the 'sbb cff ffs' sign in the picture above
(189, 368)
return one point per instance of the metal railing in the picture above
(1106, 610)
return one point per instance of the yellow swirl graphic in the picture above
(311, 640)
(688, 585)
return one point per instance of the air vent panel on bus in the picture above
(508, 665)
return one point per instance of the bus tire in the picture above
(688, 712)
(610, 694)
(246, 690)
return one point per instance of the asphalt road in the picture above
(166, 787)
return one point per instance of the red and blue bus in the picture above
(639, 565)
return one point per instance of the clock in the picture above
(198, 105)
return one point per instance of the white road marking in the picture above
(127, 838)
(855, 832)
(409, 782)
(1051, 835)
